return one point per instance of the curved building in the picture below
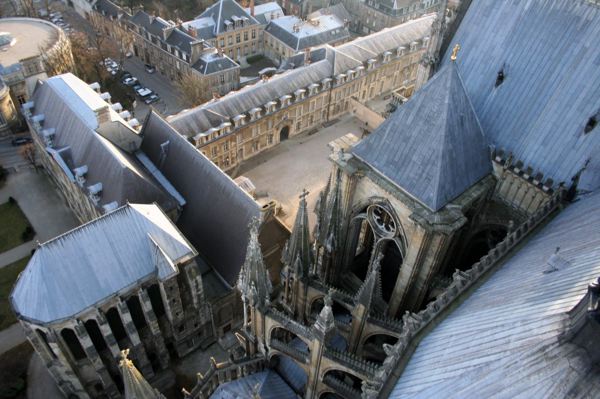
(25, 46)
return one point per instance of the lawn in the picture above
(13, 224)
(8, 276)
(13, 371)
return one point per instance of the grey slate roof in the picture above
(329, 30)
(332, 62)
(551, 59)
(224, 10)
(502, 341)
(363, 48)
(212, 62)
(266, 384)
(337, 9)
(217, 212)
(433, 146)
(84, 266)
(180, 39)
(266, 12)
(68, 105)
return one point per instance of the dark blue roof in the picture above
(549, 51)
(432, 147)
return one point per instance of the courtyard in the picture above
(302, 162)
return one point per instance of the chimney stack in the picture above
(252, 7)
(307, 56)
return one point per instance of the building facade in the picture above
(318, 89)
(167, 46)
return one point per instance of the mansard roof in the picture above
(548, 51)
(211, 62)
(503, 340)
(106, 149)
(332, 61)
(266, 12)
(93, 262)
(217, 212)
(320, 30)
(224, 10)
(433, 146)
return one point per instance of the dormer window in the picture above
(48, 135)
(95, 192)
(591, 124)
(80, 174)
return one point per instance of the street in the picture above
(161, 85)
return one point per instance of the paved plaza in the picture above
(300, 162)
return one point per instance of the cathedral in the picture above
(464, 195)
(456, 249)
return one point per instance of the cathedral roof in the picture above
(548, 51)
(433, 146)
(93, 262)
(217, 212)
(503, 340)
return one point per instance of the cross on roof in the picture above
(304, 194)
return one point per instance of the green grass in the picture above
(8, 276)
(12, 225)
(13, 371)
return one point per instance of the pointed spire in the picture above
(371, 289)
(253, 272)
(298, 251)
(135, 386)
(325, 322)
(328, 229)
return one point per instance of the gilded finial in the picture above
(455, 52)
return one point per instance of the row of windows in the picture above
(238, 38)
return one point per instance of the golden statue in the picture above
(455, 52)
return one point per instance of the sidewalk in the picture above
(11, 337)
(17, 253)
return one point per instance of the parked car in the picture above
(152, 98)
(144, 92)
(21, 141)
(136, 86)
(149, 68)
(130, 81)
(128, 54)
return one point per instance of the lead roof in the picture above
(548, 51)
(433, 146)
(87, 265)
(217, 212)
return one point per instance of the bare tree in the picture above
(193, 89)
(28, 8)
(27, 152)
(88, 57)
(124, 39)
